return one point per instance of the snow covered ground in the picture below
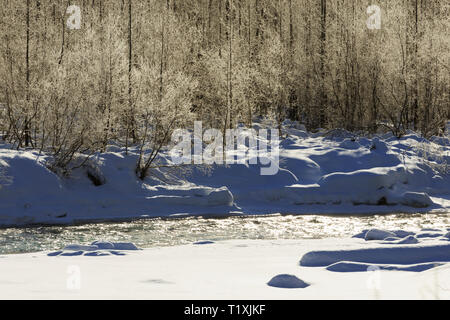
(375, 264)
(335, 172)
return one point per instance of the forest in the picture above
(136, 70)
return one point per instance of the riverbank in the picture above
(322, 173)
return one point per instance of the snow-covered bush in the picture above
(434, 155)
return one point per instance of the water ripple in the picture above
(169, 232)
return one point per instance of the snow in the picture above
(116, 245)
(287, 281)
(407, 251)
(375, 234)
(102, 245)
(204, 242)
(329, 173)
(408, 240)
(96, 249)
(330, 268)
(364, 267)
(388, 255)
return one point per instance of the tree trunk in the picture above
(27, 57)
(323, 38)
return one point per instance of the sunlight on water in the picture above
(169, 232)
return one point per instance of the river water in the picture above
(169, 232)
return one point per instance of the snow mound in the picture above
(20, 172)
(363, 267)
(204, 242)
(406, 255)
(423, 235)
(375, 234)
(403, 233)
(416, 200)
(400, 236)
(287, 281)
(387, 255)
(96, 249)
(408, 240)
(102, 245)
(364, 180)
(220, 197)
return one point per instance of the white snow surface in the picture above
(335, 172)
(241, 269)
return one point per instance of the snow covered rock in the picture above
(363, 180)
(96, 249)
(392, 239)
(350, 144)
(103, 245)
(361, 235)
(376, 234)
(409, 240)
(287, 281)
(204, 242)
(220, 197)
(403, 233)
(416, 199)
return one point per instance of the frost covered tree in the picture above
(135, 70)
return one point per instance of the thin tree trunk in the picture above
(291, 29)
(27, 57)
(130, 116)
(323, 38)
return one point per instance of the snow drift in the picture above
(407, 254)
(335, 172)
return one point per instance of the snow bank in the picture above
(31, 194)
(417, 255)
(337, 172)
(96, 249)
(387, 255)
(241, 269)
